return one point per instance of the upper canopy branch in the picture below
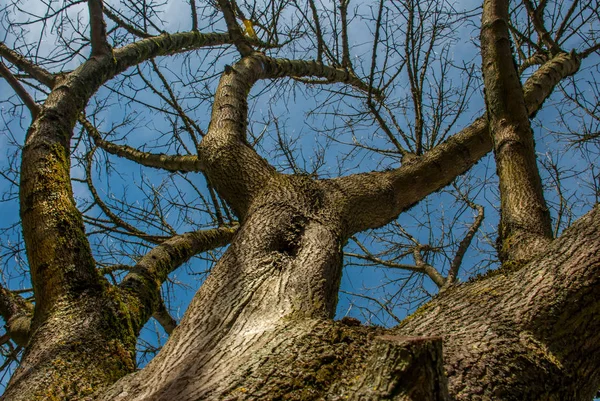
(98, 39)
(374, 199)
(525, 219)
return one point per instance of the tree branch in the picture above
(156, 160)
(162, 316)
(464, 244)
(236, 34)
(525, 225)
(113, 217)
(128, 27)
(536, 16)
(371, 200)
(144, 280)
(30, 68)
(235, 169)
(17, 312)
(98, 39)
(14, 83)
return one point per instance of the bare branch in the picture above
(30, 68)
(17, 313)
(235, 32)
(128, 27)
(346, 62)
(525, 225)
(145, 278)
(33, 107)
(376, 198)
(160, 161)
(536, 16)
(162, 316)
(194, 15)
(464, 244)
(99, 42)
(113, 217)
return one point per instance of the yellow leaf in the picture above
(250, 29)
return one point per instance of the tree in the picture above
(260, 326)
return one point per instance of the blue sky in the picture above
(300, 124)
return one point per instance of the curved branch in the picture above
(17, 312)
(33, 107)
(155, 160)
(372, 200)
(142, 284)
(113, 217)
(234, 29)
(231, 164)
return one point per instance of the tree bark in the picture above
(260, 326)
(525, 333)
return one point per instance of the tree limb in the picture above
(98, 39)
(371, 200)
(464, 245)
(155, 160)
(33, 107)
(30, 68)
(144, 280)
(525, 225)
(162, 316)
(128, 27)
(17, 312)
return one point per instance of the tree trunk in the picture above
(259, 328)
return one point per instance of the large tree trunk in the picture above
(260, 327)
(506, 336)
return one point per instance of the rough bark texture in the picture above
(260, 326)
(518, 334)
(525, 226)
(506, 336)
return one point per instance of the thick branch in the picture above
(98, 39)
(540, 318)
(17, 313)
(45, 170)
(525, 223)
(143, 282)
(373, 199)
(232, 166)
